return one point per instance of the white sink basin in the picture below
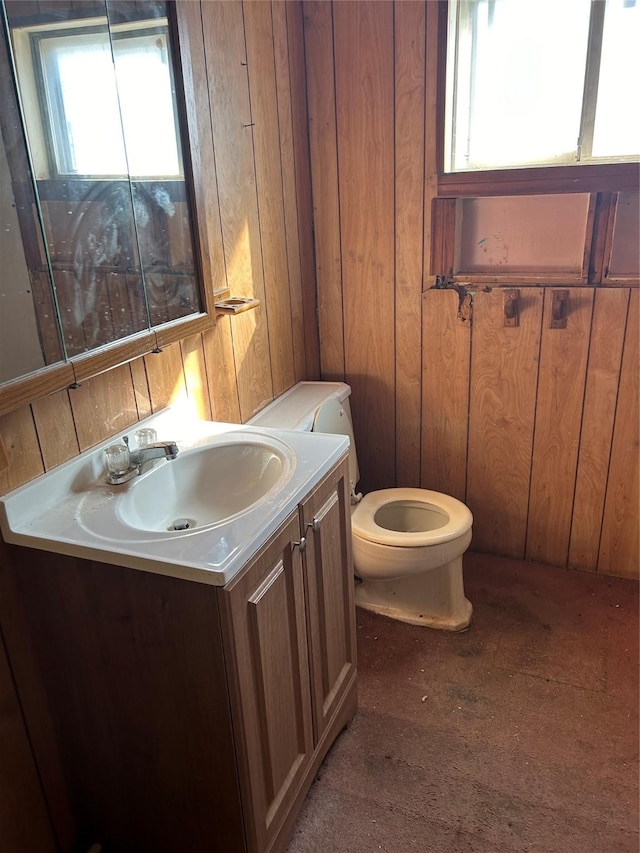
(233, 485)
(203, 487)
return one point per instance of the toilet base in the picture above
(434, 598)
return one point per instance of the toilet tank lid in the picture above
(296, 408)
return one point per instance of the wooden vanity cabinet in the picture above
(288, 626)
(188, 717)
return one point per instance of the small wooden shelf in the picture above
(235, 304)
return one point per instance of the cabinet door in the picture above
(266, 645)
(326, 517)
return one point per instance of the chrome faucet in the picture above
(140, 460)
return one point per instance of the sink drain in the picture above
(182, 524)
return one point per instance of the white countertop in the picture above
(56, 512)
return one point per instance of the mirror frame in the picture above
(187, 40)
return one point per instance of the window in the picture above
(96, 123)
(532, 83)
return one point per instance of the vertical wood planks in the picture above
(603, 374)
(165, 377)
(504, 374)
(409, 205)
(287, 160)
(20, 456)
(446, 347)
(221, 372)
(56, 429)
(298, 83)
(364, 49)
(561, 389)
(103, 406)
(231, 121)
(266, 149)
(318, 33)
(620, 534)
(195, 376)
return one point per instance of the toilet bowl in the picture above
(407, 543)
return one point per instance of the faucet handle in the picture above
(146, 437)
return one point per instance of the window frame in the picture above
(603, 181)
(529, 180)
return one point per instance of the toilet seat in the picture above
(455, 518)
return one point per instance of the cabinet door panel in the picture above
(329, 579)
(265, 615)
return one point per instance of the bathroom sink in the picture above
(204, 486)
(199, 516)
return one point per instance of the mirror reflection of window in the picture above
(88, 108)
(100, 111)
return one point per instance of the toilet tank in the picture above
(314, 407)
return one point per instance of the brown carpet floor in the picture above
(520, 734)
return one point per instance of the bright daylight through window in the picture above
(542, 82)
(90, 111)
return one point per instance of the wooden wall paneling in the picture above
(103, 406)
(24, 822)
(364, 48)
(191, 39)
(504, 375)
(446, 348)
(288, 166)
(231, 121)
(20, 455)
(56, 429)
(221, 371)
(300, 119)
(165, 375)
(603, 374)
(323, 146)
(443, 260)
(620, 529)
(409, 207)
(195, 375)
(269, 186)
(561, 388)
(434, 22)
(140, 387)
(30, 689)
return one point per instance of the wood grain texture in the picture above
(409, 207)
(304, 203)
(620, 529)
(289, 193)
(319, 52)
(20, 455)
(264, 635)
(431, 142)
(446, 349)
(561, 388)
(601, 392)
(195, 376)
(165, 376)
(27, 677)
(53, 418)
(221, 372)
(269, 185)
(328, 567)
(504, 375)
(147, 758)
(234, 154)
(103, 406)
(364, 49)
(24, 822)
(191, 40)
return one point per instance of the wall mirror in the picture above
(99, 241)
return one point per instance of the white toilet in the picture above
(407, 543)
